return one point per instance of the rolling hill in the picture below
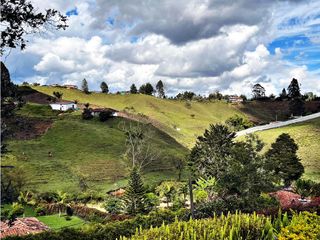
(182, 121)
(87, 148)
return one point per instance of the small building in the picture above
(63, 106)
(96, 111)
(235, 99)
(69, 86)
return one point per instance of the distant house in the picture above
(235, 99)
(55, 85)
(96, 111)
(63, 105)
(68, 86)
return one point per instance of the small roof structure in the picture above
(63, 102)
(98, 110)
(22, 226)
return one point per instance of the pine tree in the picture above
(283, 94)
(133, 89)
(135, 193)
(160, 89)
(283, 161)
(294, 89)
(104, 87)
(84, 86)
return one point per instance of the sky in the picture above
(191, 45)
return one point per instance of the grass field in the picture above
(307, 136)
(55, 222)
(89, 148)
(181, 121)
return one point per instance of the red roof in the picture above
(22, 226)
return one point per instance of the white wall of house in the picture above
(63, 107)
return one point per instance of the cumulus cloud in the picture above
(194, 45)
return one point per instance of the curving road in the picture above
(278, 124)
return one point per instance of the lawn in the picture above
(55, 222)
(182, 121)
(307, 136)
(87, 148)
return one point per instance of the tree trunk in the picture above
(191, 198)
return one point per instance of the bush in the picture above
(114, 205)
(304, 225)
(40, 211)
(151, 201)
(105, 115)
(307, 188)
(236, 226)
(67, 218)
(87, 114)
(69, 210)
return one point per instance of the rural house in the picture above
(63, 106)
(235, 99)
(68, 86)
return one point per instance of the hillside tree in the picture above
(258, 91)
(139, 150)
(133, 89)
(294, 89)
(135, 193)
(104, 87)
(160, 89)
(283, 161)
(58, 94)
(84, 86)
(297, 106)
(146, 89)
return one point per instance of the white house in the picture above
(63, 106)
(235, 99)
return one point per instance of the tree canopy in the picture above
(19, 17)
(104, 87)
(258, 91)
(160, 89)
(283, 160)
(133, 89)
(294, 89)
(84, 86)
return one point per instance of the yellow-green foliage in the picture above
(184, 123)
(231, 226)
(303, 226)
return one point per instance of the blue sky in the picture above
(189, 45)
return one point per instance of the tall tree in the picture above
(294, 89)
(283, 160)
(104, 87)
(84, 86)
(19, 17)
(258, 91)
(238, 167)
(297, 106)
(135, 193)
(133, 89)
(160, 89)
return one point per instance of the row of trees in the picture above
(147, 88)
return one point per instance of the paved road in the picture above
(278, 124)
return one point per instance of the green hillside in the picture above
(181, 121)
(90, 148)
(307, 136)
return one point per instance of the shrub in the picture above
(69, 210)
(68, 218)
(307, 188)
(105, 115)
(40, 211)
(114, 205)
(151, 201)
(304, 225)
(231, 226)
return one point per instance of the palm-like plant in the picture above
(61, 200)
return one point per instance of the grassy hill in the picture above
(307, 136)
(79, 147)
(181, 120)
